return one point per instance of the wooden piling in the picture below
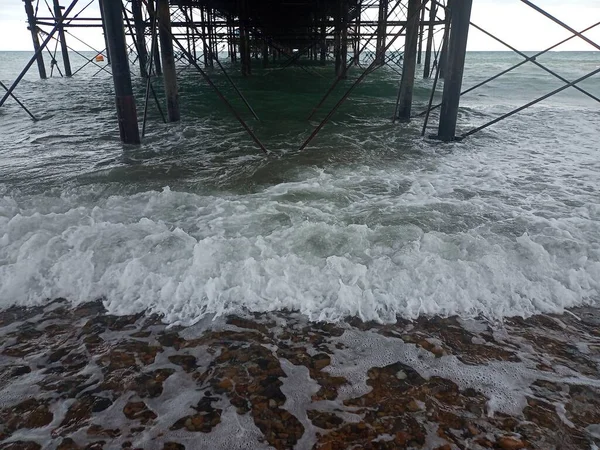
(168, 60)
(405, 94)
(125, 102)
(34, 37)
(460, 15)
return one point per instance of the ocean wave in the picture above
(185, 255)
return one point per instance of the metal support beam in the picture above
(168, 60)
(405, 93)
(34, 38)
(63, 41)
(443, 59)
(460, 15)
(344, 38)
(429, 48)
(244, 39)
(323, 53)
(337, 39)
(356, 57)
(421, 33)
(156, 53)
(381, 31)
(126, 111)
(19, 102)
(101, 6)
(140, 32)
(35, 55)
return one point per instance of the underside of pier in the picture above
(414, 38)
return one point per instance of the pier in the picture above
(153, 38)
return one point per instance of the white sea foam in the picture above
(505, 384)
(365, 242)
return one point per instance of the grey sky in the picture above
(511, 20)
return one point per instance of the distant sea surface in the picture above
(370, 220)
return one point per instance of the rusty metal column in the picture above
(405, 95)
(429, 48)
(63, 42)
(460, 15)
(168, 60)
(115, 35)
(140, 34)
(34, 37)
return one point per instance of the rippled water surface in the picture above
(370, 220)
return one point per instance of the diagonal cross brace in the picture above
(40, 50)
(561, 23)
(551, 72)
(531, 103)
(510, 69)
(367, 71)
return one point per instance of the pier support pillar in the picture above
(356, 57)
(140, 34)
(34, 38)
(245, 55)
(443, 58)
(205, 46)
(63, 41)
(344, 38)
(168, 60)
(429, 48)
(457, 48)
(101, 6)
(337, 33)
(405, 94)
(265, 53)
(156, 54)
(381, 31)
(209, 39)
(115, 36)
(421, 32)
(323, 49)
(231, 37)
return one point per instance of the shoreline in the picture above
(76, 377)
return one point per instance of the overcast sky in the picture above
(511, 20)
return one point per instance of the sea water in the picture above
(370, 220)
